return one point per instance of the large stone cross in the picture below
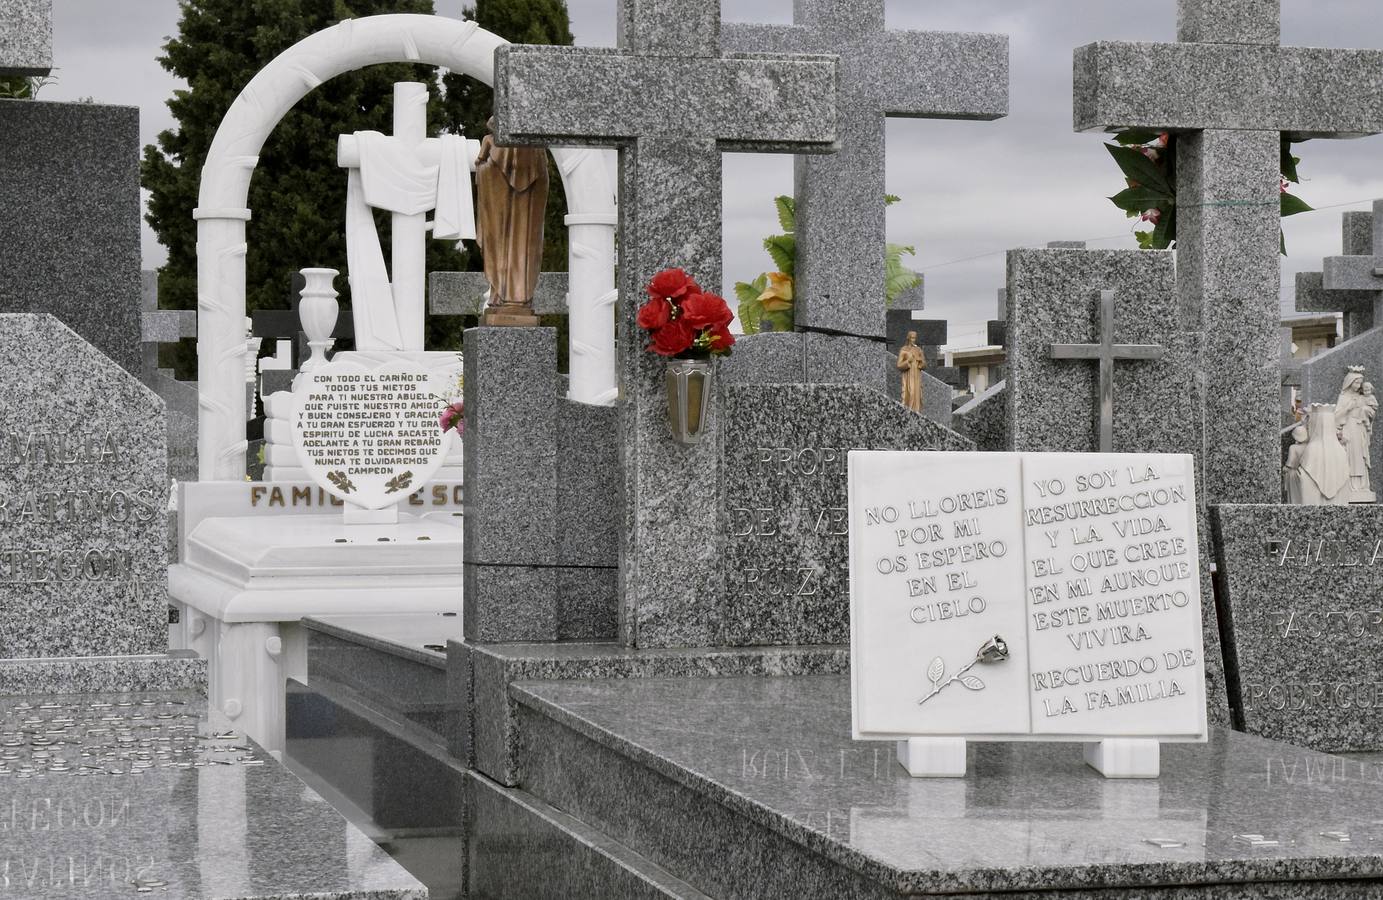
(840, 197)
(1105, 353)
(672, 103)
(1233, 91)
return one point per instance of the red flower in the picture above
(706, 311)
(673, 338)
(672, 284)
(1151, 215)
(655, 314)
(721, 339)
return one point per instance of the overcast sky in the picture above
(971, 190)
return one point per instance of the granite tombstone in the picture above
(26, 37)
(85, 485)
(1300, 587)
(840, 197)
(73, 169)
(783, 516)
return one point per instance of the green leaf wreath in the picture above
(1148, 161)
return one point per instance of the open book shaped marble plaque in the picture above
(1033, 596)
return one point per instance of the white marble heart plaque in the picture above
(369, 435)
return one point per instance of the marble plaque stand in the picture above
(944, 757)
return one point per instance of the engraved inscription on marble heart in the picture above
(1025, 596)
(369, 435)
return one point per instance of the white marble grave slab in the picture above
(1084, 566)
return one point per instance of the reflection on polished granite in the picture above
(112, 795)
(775, 753)
(421, 637)
(393, 663)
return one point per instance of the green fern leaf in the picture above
(787, 212)
(783, 249)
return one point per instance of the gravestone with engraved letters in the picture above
(82, 499)
(1301, 587)
(783, 513)
(1041, 595)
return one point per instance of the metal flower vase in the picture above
(689, 398)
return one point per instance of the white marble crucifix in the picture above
(407, 174)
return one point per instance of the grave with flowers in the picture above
(1002, 602)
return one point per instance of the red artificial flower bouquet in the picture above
(684, 321)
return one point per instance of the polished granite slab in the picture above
(395, 664)
(1232, 817)
(486, 734)
(175, 671)
(421, 637)
(109, 795)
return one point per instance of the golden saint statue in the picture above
(911, 362)
(511, 200)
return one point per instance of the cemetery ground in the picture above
(696, 614)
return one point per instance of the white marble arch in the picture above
(222, 213)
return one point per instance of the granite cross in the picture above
(160, 326)
(1354, 281)
(464, 294)
(672, 102)
(840, 197)
(1356, 291)
(1106, 352)
(1234, 91)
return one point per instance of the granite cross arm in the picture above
(1105, 353)
(1360, 306)
(26, 37)
(463, 294)
(840, 197)
(160, 326)
(1361, 272)
(1234, 92)
(672, 102)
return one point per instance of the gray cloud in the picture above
(971, 189)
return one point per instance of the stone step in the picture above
(622, 787)
(751, 787)
(520, 848)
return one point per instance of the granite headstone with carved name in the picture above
(83, 560)
(1302, 588)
